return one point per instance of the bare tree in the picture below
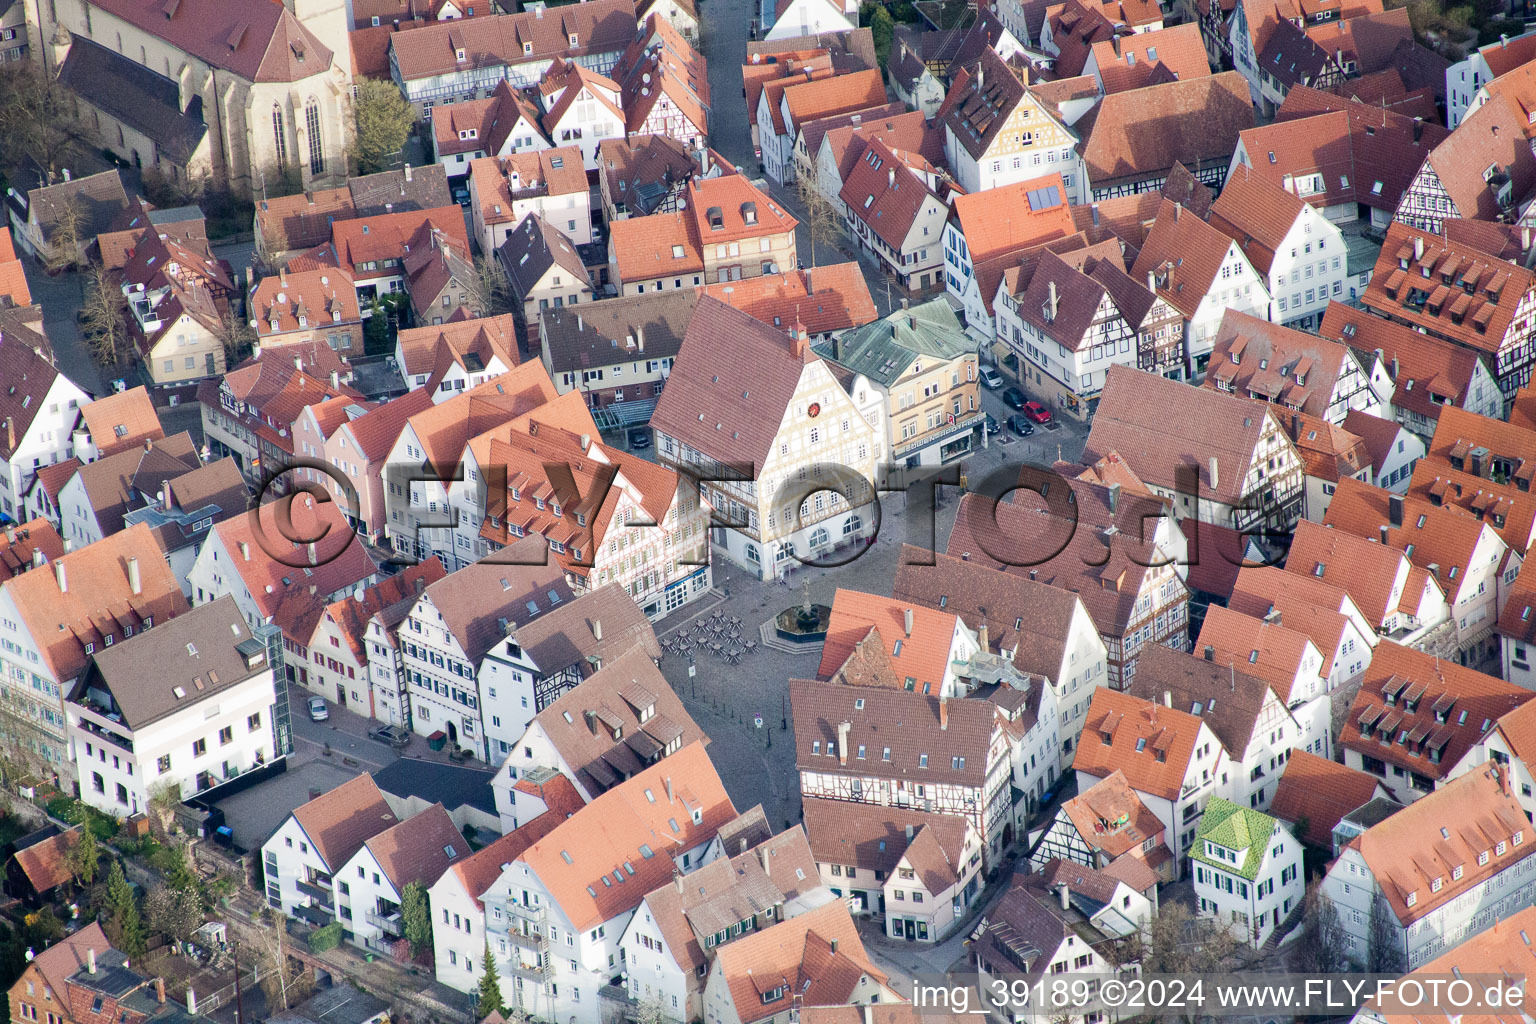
(1322, 946)
(822, 223)
(237, 336)
(164, 798)
(488, 290)
(270, 242)
(39, 118)
(1384, 950)
(651, 1011)
(283, 979)
(65, 238)
(1177, 942)
(104, 317)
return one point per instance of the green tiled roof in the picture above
(882, 350)
(1244, 831)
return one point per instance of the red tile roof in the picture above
(1319, 793)
(13, 278)
(257, 41)
(1429, 373)
(599, 26)
(1452, 828)
(1438, 710)
(987, 234)
(815, 957)
(1144, 132)
(46, 863)
(921, 653)
(340, 821)
(121, 420)
(1148, 743)
(832, 297)
(585, 861)
(1185, 253)
(1126, 62)
(1111, 818)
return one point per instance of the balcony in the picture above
(517, 910)
(389, 924)
(533, 941)
(319, 895)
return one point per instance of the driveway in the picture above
(61, 298)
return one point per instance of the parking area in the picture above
(256, 813)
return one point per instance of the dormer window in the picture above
(573, 39)
(335, 316)
(303, 321)
(527, 49)
(1436, 884)
(459, 55)
(1412, 898)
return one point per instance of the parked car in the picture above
(1013, 398)
(1021, 426)
(461, 195)
(1037, 412)
(639, 437)
(990, 378)
(993, 427)
(394, 735)
(318, 712)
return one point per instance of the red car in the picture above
(1037, 412)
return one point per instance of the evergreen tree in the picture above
(125, 921)
(490, 985)
(416, 915)
(84, 856)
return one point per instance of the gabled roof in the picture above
(877, 838)
(746, 387)
(1149, 743)
(601, 862)
(69, 955)
(1227, 699)
(1495, 136)
(619, 329)
(1437, 539)
(512, 586)
(887, 193)
(339, 822)
(46, 863)
(982, 595)
(1184, 254)
(13, 277)
(472, 345)
(1037, 210)
(529, 37)
(1290, 369)
(1367, 571)
(136, 96)
(534, 248)
(825, 299)
(1517, 622)
(1015, 535)
(979, 103)
(418, 849)
(100, 198)
(618, 722)
(642, 171)
(91, 594)
(119, 481)
(318, 296)
(302, 221)
(1267, 649)
(1452, 827)
(252, 39)
(352, 613)
(1144, 132)
(289, 582)
(1459, 471)
(921, 653)
(1316, 793)
(1257, 214)
(121, 420)
(479, 871)
(24, 545)
(1126, 62)
(885, 349)
(1160, 426)
(951, 737)
(815, 957)
(1429, 373)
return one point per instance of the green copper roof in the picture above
(1243, 831)
(883, 350)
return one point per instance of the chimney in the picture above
(135, 583)
(833, 943)
(37, 557)
(191, 1001)
(910, 831)
(1114, 498)
(1215, 478)
(336, 380)
(1384, 532)
(597, 629)
(943, 713)
(906, 620)
(407, 172)
(1272, 617)
(10, 434)
(1178, 208)
(1210, 653)
(1168, 698)
(245, 551)
(981, 77)
(1052, 305)
(58, 571)
(842, 742)
(1418, 249)
(90, 960)
(890, 178)
(1151, 281)
(314, 558)
(1094, 212)
(669, 789)
(591, 717)
(10, 535)
(981, 638)
(869, 1013)
(1066, 896)
(160, 991)
(298, 363)
(640, 338)
(167, 498)
(1395, 509)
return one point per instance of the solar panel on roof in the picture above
(1040, 198)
